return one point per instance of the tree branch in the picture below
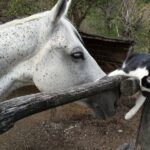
(21, 107)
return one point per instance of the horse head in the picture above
(45, 49)
(64, 62)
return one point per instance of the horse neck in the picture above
(39, 24)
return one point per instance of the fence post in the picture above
(143, 138)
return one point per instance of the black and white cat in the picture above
(136, 65)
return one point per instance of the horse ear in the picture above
(60, 10)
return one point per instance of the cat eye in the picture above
(148, 79)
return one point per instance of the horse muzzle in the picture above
(104, 105)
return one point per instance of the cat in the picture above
(136, 65)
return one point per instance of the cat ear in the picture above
(129, 54)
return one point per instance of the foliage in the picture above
(146, 1)
(116, 18)
(26, 7)
(121, 18)
(79, 10)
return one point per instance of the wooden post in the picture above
(143, 138)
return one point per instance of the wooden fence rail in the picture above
(18, 108)
(21, 107)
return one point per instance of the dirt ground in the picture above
(71, 127)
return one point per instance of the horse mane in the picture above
(24, 20)
(76, 32)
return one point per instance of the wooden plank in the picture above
(107, 51)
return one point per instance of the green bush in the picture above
(95, 21)
(26, 7)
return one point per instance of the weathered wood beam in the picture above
(129, 87)
(21, 107)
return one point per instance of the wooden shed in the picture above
(108, 52)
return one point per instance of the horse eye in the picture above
(78, 55)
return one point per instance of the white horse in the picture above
(46, 50)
